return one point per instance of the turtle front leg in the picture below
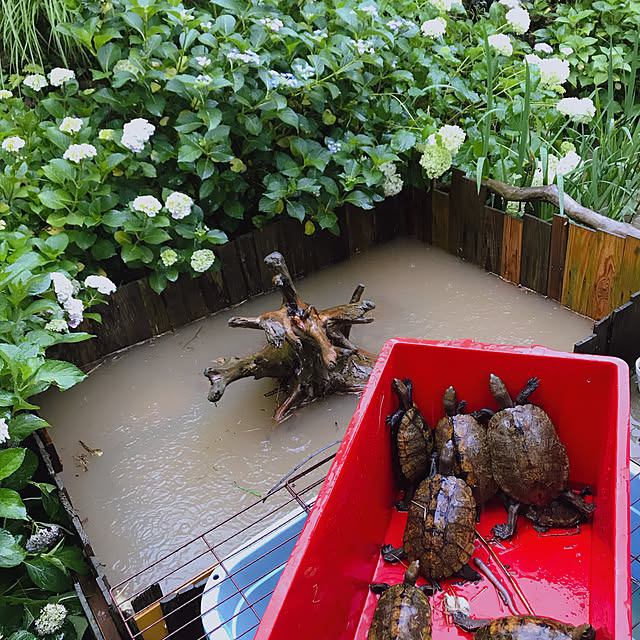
(466, 623)
(468, 574)
(379, 587)
(391, 554)
(530, 387)
(405, 502)
(577, 501)
(506, 530)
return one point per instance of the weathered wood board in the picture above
(492, 230)
(440, 218)
(536, 246)
(557, 256)
(511, 249)
(629, 280)
(578, 281)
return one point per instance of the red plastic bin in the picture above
(324, 590)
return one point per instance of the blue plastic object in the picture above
(236, 595)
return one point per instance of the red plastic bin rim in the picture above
(622, 594)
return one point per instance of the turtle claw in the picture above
(391, 554)
(501, 532)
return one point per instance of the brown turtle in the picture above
(528, 460)
(440, 529)
(403, 612)
(559, 513)
(411, 440)
(472, 458)
(523, 628)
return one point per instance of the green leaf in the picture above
(24, 424)
(115, 218)
(234, 209)
(359, 199)
(63, 374)
(47, 576)
(226, 24)
(189, 152)
(108, 55)
(158, 282)
(296, 210)
(57, 199)
(55, 245)
(403, 141)
(59, 170)
(205, 168)
(10, 461)
(11, 506)
(19, 479)
(288, 116)
(155, 236)
(72, 558)
(328, 117)
(11, 553)
(103, 249)
(22, 635)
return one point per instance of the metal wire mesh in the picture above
(635, 550)
(218, 585)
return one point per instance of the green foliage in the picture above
(28, 33)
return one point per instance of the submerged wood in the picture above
(572, 208)
(308, 350)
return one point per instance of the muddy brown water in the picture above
(174, 464)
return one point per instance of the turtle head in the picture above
(584, 632)
(499, 392)
(445, 463)
(450, 402)
(412, 572)
(403, 391)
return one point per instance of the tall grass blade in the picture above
(523, 147)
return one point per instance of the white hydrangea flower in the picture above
(3, 226)
(74, 308)
(435, 160)
(4, 431)
(51, 619)
(273, 24)
(5, 94)
(43, 538)
(62, 286)
(370, 9)
(202, 259)
(577, 109)
(203, 61)
(147, 204)
(169, 257)
(568, 162)
(13, 144)
(363, 46)
(78, 152)
(518, 20)
(434, 28)
(70, 125)
(105, 134)
(501, 43)
(567, 146)
(101, 283)
(543, 47)
(566, 51)
(136, 133)
(514, 207)
(203, 80)
(60, 76)
(56, 324)
(532, 58)
(35, 82)
(553, 73)
(392, 181)
(441, 5)
(179, 205)
(451, 137)
(128, 66)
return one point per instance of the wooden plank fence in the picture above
(591, 272)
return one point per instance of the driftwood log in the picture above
(308, 350)
(572, 208)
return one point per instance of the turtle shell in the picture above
(414, 443)
(402, 613)
(440, 529)
(527, 627)
(528, 461)
(472, 456)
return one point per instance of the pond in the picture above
(174, 464)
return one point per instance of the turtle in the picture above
(440, 530)
(472, 457)
(411, 439)
(403, 612)
(528, 461)
(557, 514)
(522, 628)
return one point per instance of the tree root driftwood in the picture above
(572, 209)
(308, 350)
